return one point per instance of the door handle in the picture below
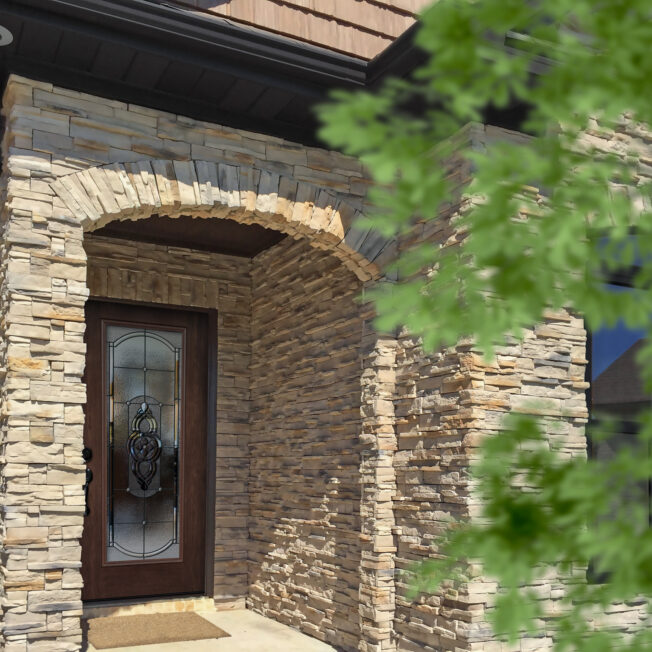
(87, 453)
(89, 477)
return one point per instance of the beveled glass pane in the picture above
(144, 368)
(159, 354)
(129, 350)
(127, 508)
(129, 539)
(120, 417)
(161, 384)
(127, 383)
(160, 508)
(119, 468)
(158, 538)
(167, 425)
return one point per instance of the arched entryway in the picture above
(292, 343)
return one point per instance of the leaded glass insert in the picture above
(144, 402)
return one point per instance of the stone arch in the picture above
(136, 190)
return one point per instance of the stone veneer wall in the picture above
(121, 269)
(432, 451)
(73, 161)
(289, 467)
(449, 402)
(446, 403)
(305, 442)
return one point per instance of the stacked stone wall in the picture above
(448, 402)
(431, 466)
(42, 503)
(345, 485)
(378, 477)
(545, 375)
(433, 451)
(3, 393)
(305, 444)
(143, 272)
(72, 162)
(542, 375)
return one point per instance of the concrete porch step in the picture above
(249, 632)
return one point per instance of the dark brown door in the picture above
(146, 375)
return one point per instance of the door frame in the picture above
(211, 424)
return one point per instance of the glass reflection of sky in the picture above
(608, 344)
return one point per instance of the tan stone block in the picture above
(44, 310)
(65, 392)
(26, 536)
(89, 203)
(54, 600)
(249, 181)
(28, 452)
(208, 184)
(66, 474)
(26, 364)
(286, 196)
(61, 515)
(23, 623)
(106, 189)
(41, 434)
(24, 582)
(267, 192)
(303, 206)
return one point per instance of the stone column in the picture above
(378, 549)
(43, 286)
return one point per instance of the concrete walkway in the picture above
(249, 631)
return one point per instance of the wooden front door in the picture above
(145, 440)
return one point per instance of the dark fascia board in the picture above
(199, 33)
(398, 59)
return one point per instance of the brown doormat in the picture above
(124, 631)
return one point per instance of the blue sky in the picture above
(608, 344)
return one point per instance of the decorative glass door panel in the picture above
(145, 441)
(144, 406)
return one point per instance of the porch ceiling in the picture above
(221, 236)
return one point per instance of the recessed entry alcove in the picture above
(277, 470)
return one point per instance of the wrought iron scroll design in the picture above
(144, 446)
